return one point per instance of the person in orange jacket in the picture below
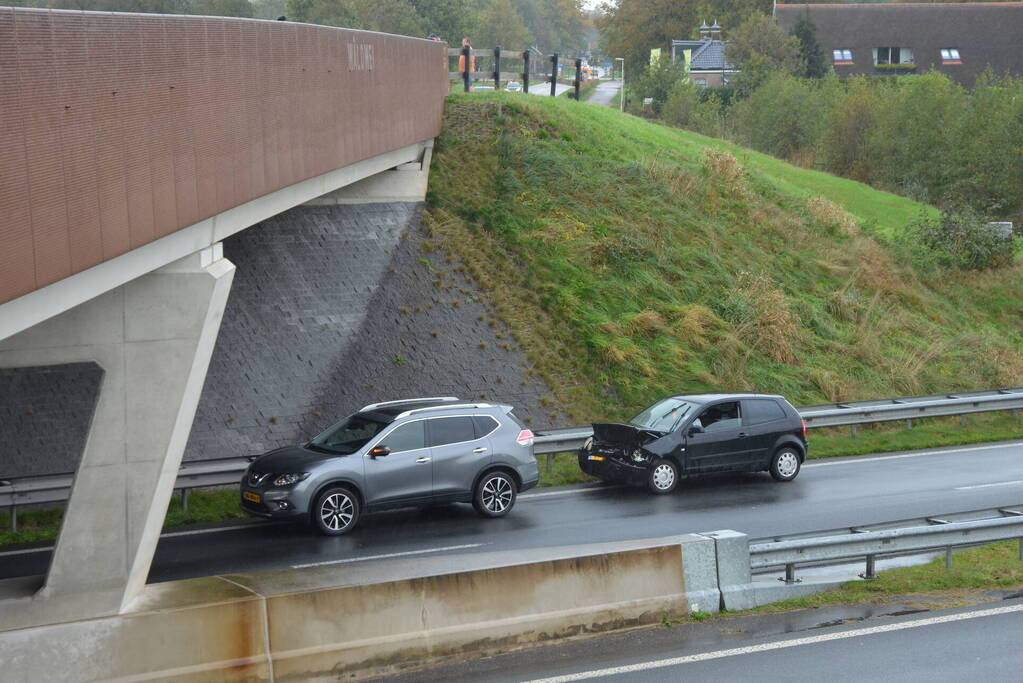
(472, 60)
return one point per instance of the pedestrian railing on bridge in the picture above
(532, 62)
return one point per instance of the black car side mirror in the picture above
(696, 429)
(379, 452)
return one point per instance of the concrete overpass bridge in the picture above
(130, 147)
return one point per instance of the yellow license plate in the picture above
(254, 497)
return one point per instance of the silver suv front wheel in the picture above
(336, 511)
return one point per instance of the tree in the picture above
(269, 9)
(631, 28)
(389, 16)
(658, 81)
(500, 25)
(758, 48)
(811, 55)
(452, 20)
(224, 8)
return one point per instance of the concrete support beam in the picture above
(403, 183)
(153, 337)
(733, 566)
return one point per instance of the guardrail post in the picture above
(869, 575)
(909, 424)
(550, 461)
(1021, 549)
(465, 67)
(14, 519)
(525, 71)
(497, 68)
(184, 499)
(852, 430)
(790, 574)
(578, 74)
(962, 420)
(948, 557)
(554, 74)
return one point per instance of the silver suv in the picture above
(397, 454)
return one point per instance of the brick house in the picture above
(957, 39)
(704, 58)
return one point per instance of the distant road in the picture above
(605, 93)
(544, 89)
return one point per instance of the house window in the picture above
(842, 56)
(700, 82)
(893, 55)
(950, 55)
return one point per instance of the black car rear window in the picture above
(760, 410)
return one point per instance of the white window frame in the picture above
(950, 54)
(842, 55)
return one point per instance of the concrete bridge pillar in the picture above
(153, 338)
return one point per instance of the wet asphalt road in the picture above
(827, 494)
(967, 644)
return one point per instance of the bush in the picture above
(658, 81)
(961, 238)
(782, 117)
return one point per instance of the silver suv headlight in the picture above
(290, 479)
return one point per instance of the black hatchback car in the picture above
(685, 435)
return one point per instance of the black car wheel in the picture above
(662, 477)
(336, 511)
(495, 494)
(785, 464)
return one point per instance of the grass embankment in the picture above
(995, 566)
(632, 261)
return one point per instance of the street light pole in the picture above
(621, 95)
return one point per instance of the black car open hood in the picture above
(623, 435)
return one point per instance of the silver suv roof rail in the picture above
(374, 406)
(446, 407)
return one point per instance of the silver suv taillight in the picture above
(525, 438)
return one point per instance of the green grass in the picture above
(995, 566)
(632, 261)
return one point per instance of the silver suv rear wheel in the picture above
(495, 494)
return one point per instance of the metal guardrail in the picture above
(225, 471)
(925, 534)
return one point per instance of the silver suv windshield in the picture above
(348, 436)
(663, 416)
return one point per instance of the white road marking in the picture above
(596, 487)
(986, 486)
(388, 555)
(852, 460)
(765, 647)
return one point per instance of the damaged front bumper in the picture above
(614, 468)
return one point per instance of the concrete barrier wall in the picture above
(367, 619)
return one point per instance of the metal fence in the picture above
(531, 61)
(22, 491)
(889, 540)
